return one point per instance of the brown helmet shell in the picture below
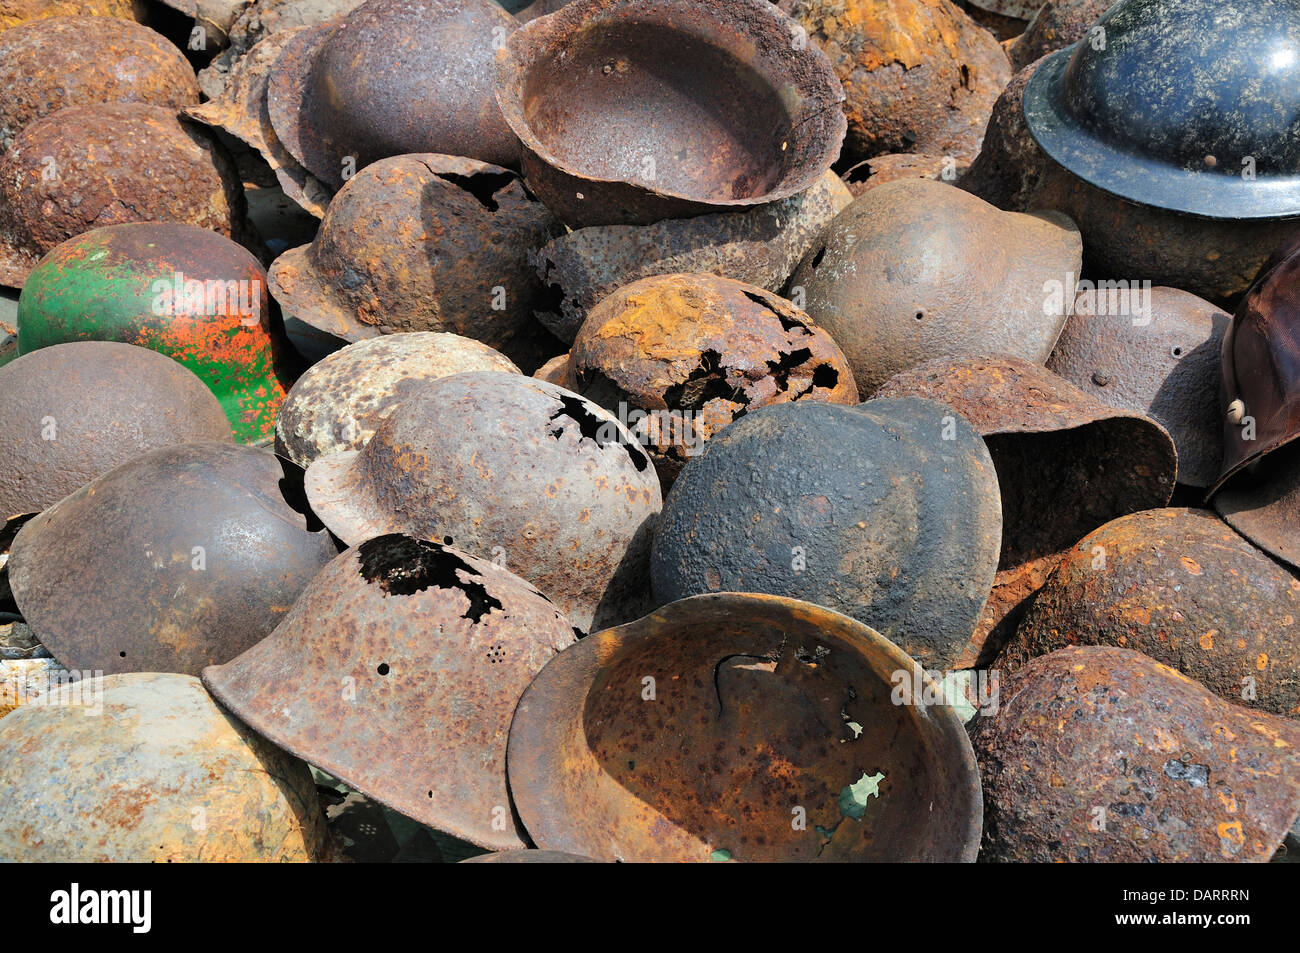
(14, 12)
(46, 65)
(75, 411)
(510, 468)
(392, 78)
(88, 166)
(182, 558)
(1175, 773)
(1066, 464)
(338, 403)
(397, 671)
(1182, 587)
(420, 243)
(147, 768)
(605, 97)
(1163, 363)
(692, 352)
(916, 270)
(692, 734)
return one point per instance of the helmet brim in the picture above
(341, 497)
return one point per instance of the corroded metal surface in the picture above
(1013, 9)
(1155, 352)
(88, 166)
(529, 857)
(183, 291)
(741, 727)
(14, 12)
(1177, 108)
(918, 75)
(509, 468)
(1057, 24)
(760, 246)
(397, 671)
(162, 774)
(915, 270)
(886, 512)
(422, 243)
(1066, 464)
(632, 111)
(1180, 586)
(871, 173)
(695, 352)
(1007, 169)
(46, 65)
(337, 404)
(1264, 504)
(182, 558)
(75, 411)
(241, 111)
(1101, 754)
(391, 78)
(215, 17)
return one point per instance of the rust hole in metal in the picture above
(817, 258)
(707, 382)
(482, 185)
(785, 363)
(788, 322)
(383, 668)
(403, 566)
(591, 427)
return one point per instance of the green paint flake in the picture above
(853, 799)
(721, 855)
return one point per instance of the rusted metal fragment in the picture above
(1182, 587)
(1004, 28)
(1066, 464)
(512, 469)
(539, 8)
(262, 19)
(46, 65)
(1021, 10)
(529, 857)
(694, 733)
(148, 768)
(918, 75)
(182, 558)
(422, 243)
(241, 111)
(88, 166)
(760, 247)
(916, 270)
(1104, 755)
(1154, 351)
(632, 111)
(215, 17)
(14, 12)
(17, 641)
(31, 680)
(75, 411)
(432, 648)
(555, 371)
(1056, 25)
(869, 173)
(392, 78)
(679, 357)
(1007, 169)
(1263, 504)
(338, 404)
(887, 512)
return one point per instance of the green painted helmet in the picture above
(180, 290)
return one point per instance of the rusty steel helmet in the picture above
(391, 78)
(761, 247)
(1057, 24)
(338, 403)
(421, 243)
(397, 671)
(1009, 164)
(510, 468)
(606, 97)
(688, 354)
(146, 767)
(1184, 105)
(916, 269)
(1066, 464)
(1182, 587)
(701, 731)
(89, 166)
(180, 290)
(73, 412)
(1172, 772)
(46, 65)
(177, 559)
(14, 12)
(887, 512)
(918, 75)
(1160, 359)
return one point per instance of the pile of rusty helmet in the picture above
(650, 430)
